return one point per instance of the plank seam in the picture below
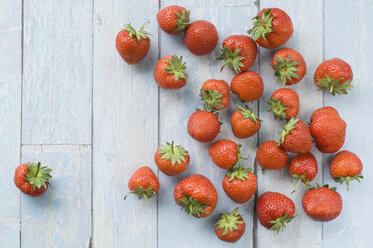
(323, 104)
(21, 124)
(90, 245)
(159, 117)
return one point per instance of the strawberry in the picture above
(238, 52)
(328, 129)
(284, 103)
(270, 156)
(239, 184)
(244, 122)
(201, 37)
(173, 19)
(144, 183)
(272, 28)
(32, 178)
(304, 168)
(289, 66)
(322, 204)
(171, 159)
(230, 227)
(345, 167)
(132, 45)
(169, 72)
(197, 195)
(295, 137)
(334, 75)
(248, 86)
(203, 126)
(215, 94)
(225, 153)
(274, 210)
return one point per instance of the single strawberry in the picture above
(172, 159)
(346, 167)
(248, 86)
(144, 183)
(201, 37)
(303, 167)
(132, 45)
(226, 153)
(173, 19)
(272, 28)
(203, 126)
(169, 72)
(270, 156)
(328, 129)
(32, 178)
(284, 103)
(230, 227)
(244, 123)
(239, 184)
(215, 94)
(275, 210)
(322, 204)
(197, 195)
(239, 53)
(334, 75)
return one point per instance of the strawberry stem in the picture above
(262, 25)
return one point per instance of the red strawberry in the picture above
(171, 159)
(173, 19)
(225, 153)
(132, 45)
(169, 72)
(274, 210)
(215, 94)
(270, 156)
(230, 227)
(248, 86)
(303, 167)
(203, 126)
(238, 52)
(197, 195)
(32, 178)
(334, 75)
(272, 28)
(345, 167)
(144, 183)
(201, 37)
(284, 103)
(244, 123)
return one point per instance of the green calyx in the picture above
(240, 173)
(286, 130)
(229, 221)
(277, 108)
(237, 164)
(174, 153)
(177, 67)
(334, 85)
(248, 113)
(285, 69)
(301, 178)
(211, 99)
(324, 186)
(232, 59)
(141, 34)
(182, 21)
(141, 192)
(280, 223)
(262, 25)
(192, 206)
(348, 179)
(38, 176)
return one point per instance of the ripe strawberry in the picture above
(270, 156)
(272, 28)
(230, 227)
(173, 19)
(284, 103)
(238, 52)
(239, 184)
(197, 195)
(248, 86)
(144, 183)
(345, 167)
(334, 75)
(328, 129)
(274, 210)
(225, 153)
(201, 37)
(295, 137)
(215, 94)
(244, 123)
(322, 204)
(203, 126)
(303, 167)
(171, 159)
(32, 178)
(169, 72)
(132, 45)
(289, 66)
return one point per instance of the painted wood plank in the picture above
(348, 35)
(306, 15)
(62, 216)
(57, 72)
(175, 227)
(125, 127)
(10, 123)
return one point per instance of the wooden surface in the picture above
(67, 99)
